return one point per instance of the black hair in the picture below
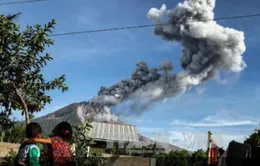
(63, 130)
(221, 151)
(33, 129)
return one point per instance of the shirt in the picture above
(28, 155)
(60, 153)
(238, 154)
(255, 160)
(222, 159)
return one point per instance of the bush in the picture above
(15, 134)
(44, 161)
(81, 143)
(11, 157)
(182, 158)
(253, 139)
(199, 158)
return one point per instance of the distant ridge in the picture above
(69, 113)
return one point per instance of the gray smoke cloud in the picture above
(207, 49)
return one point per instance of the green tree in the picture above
(180, 158)
(81, 143)
(15, 134)
(5, 121)
(199, 158)
(13, 16)
(31, 116)
(22, 85)
(253, 139)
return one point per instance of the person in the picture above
(29, 154)
(59, 151)
(238, 154)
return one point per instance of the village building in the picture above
(109, 136)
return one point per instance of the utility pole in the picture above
(209, 147)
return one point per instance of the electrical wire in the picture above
(150, 25)
(19, 2)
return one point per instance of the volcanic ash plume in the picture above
(207, 48)
(92, 111)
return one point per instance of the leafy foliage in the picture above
(5, 122)
(44, 160)
(22, 86)
(182, 158)
(81, 143)
(199, 158)
(13, 16)
(11, 157)
(15, 134)
(253, 139)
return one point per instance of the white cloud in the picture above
(192, 140)
(221, 119)
(139, 120)
(143, 129)
(225, 125)
(189, 138)
(200, 90)
(215, 123)
(227, 78)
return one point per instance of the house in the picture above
(109, 136)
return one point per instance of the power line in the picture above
(18, 2)
(150, 25)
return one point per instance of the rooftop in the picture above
(113, 132)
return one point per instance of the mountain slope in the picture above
(77, 113)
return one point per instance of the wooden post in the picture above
(209, 147)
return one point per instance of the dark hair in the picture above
(221, 151)
(33, 129)
(63, 130)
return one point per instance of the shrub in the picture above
(15, 134)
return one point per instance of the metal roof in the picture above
(113, 132)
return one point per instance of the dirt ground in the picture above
(6, 147)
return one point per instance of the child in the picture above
(29, 154)
(59, 148)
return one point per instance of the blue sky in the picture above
(228, 107)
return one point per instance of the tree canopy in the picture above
(22, 57)
(253, 139)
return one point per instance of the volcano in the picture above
(75, 114)
(78, 113)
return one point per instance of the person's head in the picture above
(63, 130)
(33, 130)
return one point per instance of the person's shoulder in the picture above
(24, 147)
(56, 139)
(34, 151)
(34, 146)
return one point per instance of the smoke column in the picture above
(207, 48)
